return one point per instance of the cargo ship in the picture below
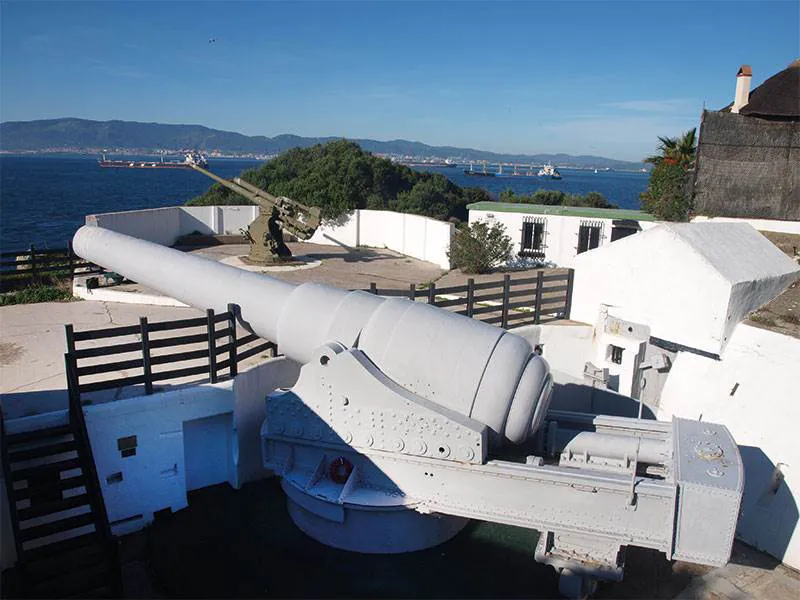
(190, 159)
(483, 173)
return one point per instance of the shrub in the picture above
(667, 196)
(39, 293)
(478, 247)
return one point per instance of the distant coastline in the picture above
(128, 138)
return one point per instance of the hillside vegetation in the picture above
(558, 198)
(340, 177)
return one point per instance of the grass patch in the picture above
(37, 293)
(763, 319)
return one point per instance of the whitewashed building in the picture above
(557, 234)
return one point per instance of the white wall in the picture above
(753, 391)
(158, 225)
(561, 232)
(760, 224)
(413, 235)
(215, 220)
(155, 478)
(165, 225)
(250, 390)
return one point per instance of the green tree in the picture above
(479, 247)
(680, 150)
(339, 177)
(668, 196)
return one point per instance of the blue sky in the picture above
(600, 78)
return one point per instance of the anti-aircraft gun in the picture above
(275, 215)
(408, 420)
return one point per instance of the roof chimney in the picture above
(743, 78)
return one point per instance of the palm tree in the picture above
(674, 151)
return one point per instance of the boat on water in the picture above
(550, 171)
(190, 159)
(474, 173)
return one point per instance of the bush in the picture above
(34, 294)
(557, 198)
(667, 196)
(478, 247)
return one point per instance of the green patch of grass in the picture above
(763, 319)
(33, 294)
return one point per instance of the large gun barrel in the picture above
(467, 366)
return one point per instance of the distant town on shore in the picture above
(129, 138)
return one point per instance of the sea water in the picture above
(45, 199)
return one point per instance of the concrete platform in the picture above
(242, 544)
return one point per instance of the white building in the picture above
(557, 234)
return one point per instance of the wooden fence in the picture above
(506, 302)
(215, 350)
(20, 268)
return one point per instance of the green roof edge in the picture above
(563, 211)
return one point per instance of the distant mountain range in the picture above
(82, 135)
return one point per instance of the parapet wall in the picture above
(419, 237)
(413, 235)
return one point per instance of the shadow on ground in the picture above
(243, 544)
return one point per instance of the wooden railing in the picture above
(20, 268)
(210, 343)
(505, 302)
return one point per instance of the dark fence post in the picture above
(470, 297)
(412, 292)
(432, 294)
(373, 288)
(232, 358)
(212, 345)
(147, 370)
(537, 310)
(70, 259)
(73, 384)
(33, 260)
(568, 303)
(506, 290)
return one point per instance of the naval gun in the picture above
(408, 420)
(275, 215)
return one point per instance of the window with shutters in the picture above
(589, 235)
(533, 236)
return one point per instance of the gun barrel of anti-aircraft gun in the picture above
(242, 191)
(464, 365)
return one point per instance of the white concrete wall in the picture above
(215, 220)
(250, 390)
(158, 225)
(681, 298)
(690, 283)
(561, 232)
(753, 391)
(155, 478)
(413, 235)
(165, 225)
(760, 224)
(344, 233)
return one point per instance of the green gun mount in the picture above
(275, 215)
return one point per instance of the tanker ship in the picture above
(190, 159)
